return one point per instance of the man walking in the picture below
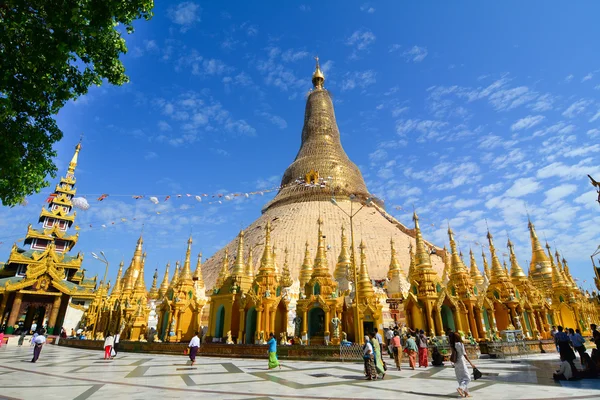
(194, 346)
(595, 335)
(422, 342)
(38, 343)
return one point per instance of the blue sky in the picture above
(470, 112)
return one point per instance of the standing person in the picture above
(63, 333)
(194, 346)
(389, 335)
(553, 333)
(273, 362)
(595, 335)
(377, 350)
(108, 345)
(460, 365)
(38, 343)
(369, 359)
(564, 347)
(116, 344)
(422, 349)
(21, 337)
(578, 343)
(411, 348)
(397, 350)
(32, 341)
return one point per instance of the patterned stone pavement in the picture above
(65, 373)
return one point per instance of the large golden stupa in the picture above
(327, 172)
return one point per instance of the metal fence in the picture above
(353, 353)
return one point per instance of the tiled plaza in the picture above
(65, 373)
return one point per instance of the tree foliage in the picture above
(52, 51)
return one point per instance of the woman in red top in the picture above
(397, 350)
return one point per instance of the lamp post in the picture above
(101, 258)
(357, 326)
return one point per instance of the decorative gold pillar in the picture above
(472, 325)
(54, 314)
(458, 320)
(242, 326)
(3, 307)
(273, 315)
(479, 322)
(327, 332)
(259, 323)
(440, 323)
(492, 321)
(429, 319)
(304, 322)
(267, 322)
(14, 312)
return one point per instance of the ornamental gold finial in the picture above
(318, 78)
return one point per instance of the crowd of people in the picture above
(568, 341)
(415, 344)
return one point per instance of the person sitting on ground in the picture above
(437, 360)
(590, 371)
(565, 372)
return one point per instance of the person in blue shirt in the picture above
(272, 343)
(578, 343)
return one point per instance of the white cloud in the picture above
(361, 39)
(594, 132)
(587, 77)
(507, 99)
(462, 203)
(185, 14)
(543, 103)
(561, 170)
(581, 151)
(150, 155)
(292, 55)
(367, 8)
(491, 188)
(558, 193)
(378, 156)
(595, 117)
(490, 141)
(360, 79)
(523, 187)
(274, 119)
(569, 78)
(415, 54)
(561, 128)
(164, 126)
(576, 108)
(399, 110)
(527, 122)
(424, 126)
(304, 7)
(394, 47)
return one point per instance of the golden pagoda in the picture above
(39, 282)
(180, 311)
(322, 171)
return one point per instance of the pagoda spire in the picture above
(286, 276)
(224, 272)
(395, 269)
(486, 268)
(267, 264)
(198, 272)
(459, 277)
(557, 278)
(164, 286)
(497, 270)
(320, 266)
(344, 261)
(516, 272)
(306, 269)
(250, 264)
(74, 159)
(474, 270)
(118, 283)
(132, 272)
(422, 257)
(457, 265)
(186, 272)
(568, 274)
(238, 266)
(318, 77)
(140, 284)
(153, 293)
(411, 266)
(364, 285)
(561, 268)
(540, 266)
(447, 266)
(175, 277)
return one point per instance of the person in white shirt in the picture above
(115, 348)
(564, 373)
(38, 343)
(108, 345)
(194, 346)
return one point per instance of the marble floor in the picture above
(65, 373)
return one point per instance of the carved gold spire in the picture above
(561, 268)
(286, 276)
(459, 276)
(267, 265)
(306, 269)
(186, 272)
(411, 266)
(447, 266)
(153, 293)
(198, 272)
(320, 266)
(486, 268)
(239, 267)
(516, 272)
(497, 271)
(132, 272)
(344, 262)
(250, 264)
(424, 274)
(117, 289)
(140, 284)
(395, 268)
(224, 272)
(474, 270)
(557, 278)
(320, 155)
(318, 78)
(540, 267)
(275, 267)
(568, 274)
(164, 286)
(175, 278)
(364, 286)
(422, 257)
(73, 163)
